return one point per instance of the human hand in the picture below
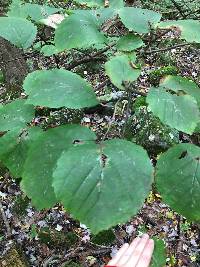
(137, 254)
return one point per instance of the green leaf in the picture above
(101, 3)
(79, 30)
(18, 31)
(42, 158)
(179, 112)
(190, 29)
(116, 3)
(139, 20)
(129, 42)
(91, 3)
(119, 70)
(38, 12)
(103, 14)
(58, 88)
(49, 50)
(15, 115)
(178, 83)
(104, 190)
(16, 9)
(159, 254)
(197, 130)
(27, 10)
(14, 147)
(178, 179)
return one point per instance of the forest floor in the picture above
(52, 237)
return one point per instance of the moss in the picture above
(13, 258)
(1, 77)
(104, 238)
(72, 264)
(62, 116)
(156, 75)
(53, 238)
(140, 101)
(20, 205)
(147, 130)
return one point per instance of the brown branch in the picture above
(164, 49)
(101, 85)
(76, 63)
(88, 58)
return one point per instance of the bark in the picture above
(13, 65)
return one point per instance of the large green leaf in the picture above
(91, 3)
(100, 14)
(197, 130)
(159, 254)
(58, 88)
(101, 3)
(14, 147)
(15, 115)
(49, 50)
(120, 69)
(139, 20)
(116, 3)
(178, 83)
(80, 30)
(18, 31)
(38, 12)
(178, 179)
(16, 10)
(190, 29)
(129, 42)
(42, 159)
(103, 190)
(180, 112)
(34, 11)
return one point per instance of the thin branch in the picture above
(104, 50)
(111, 122)
(84, 60)
(165, 49)
(127, 113)
(88, 58)
(179, 8)
(101, 85)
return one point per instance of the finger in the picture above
(119, 254)
(132, 262)
(145, 258)
(128, 253)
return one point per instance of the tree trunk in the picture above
(13, 65)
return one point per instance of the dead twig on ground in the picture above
(165, 49)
